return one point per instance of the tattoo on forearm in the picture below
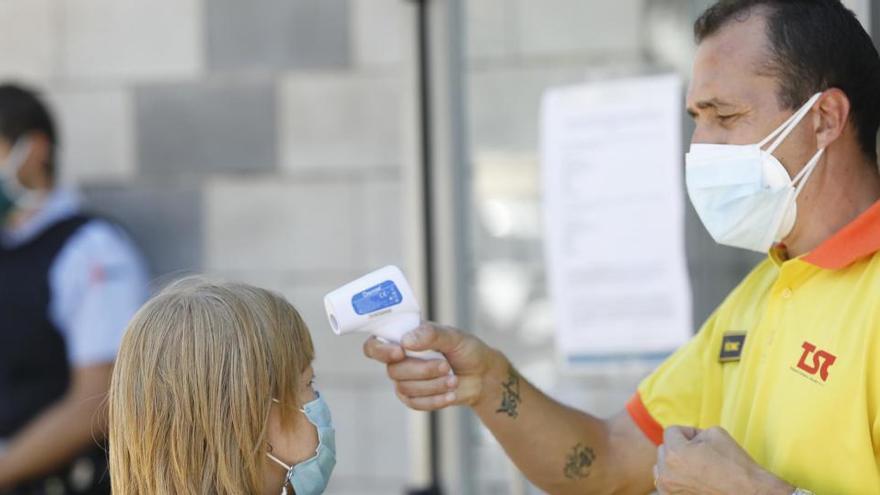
(510, 398)
(578, 462)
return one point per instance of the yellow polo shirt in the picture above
(789, 365)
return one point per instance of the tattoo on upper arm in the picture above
(510, 398)
(578, 462)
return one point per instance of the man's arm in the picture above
(559, 449)
(60, 432)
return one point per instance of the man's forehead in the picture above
(744, 35)
(727, 64)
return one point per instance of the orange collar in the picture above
(858, 239)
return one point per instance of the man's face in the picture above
(32, 174)
(732, 102)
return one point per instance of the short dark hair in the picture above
(814, 45)
(22, 112)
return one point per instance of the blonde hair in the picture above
(191, 391)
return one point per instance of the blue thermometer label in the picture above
(376, 298)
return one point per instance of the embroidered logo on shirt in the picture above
(732, 347)
(821, 361)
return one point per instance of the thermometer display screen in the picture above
(376, 298)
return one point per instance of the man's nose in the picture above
(701, 135)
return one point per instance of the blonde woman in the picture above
(212, 393)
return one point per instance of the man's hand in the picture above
(426, 385)
(693, 461)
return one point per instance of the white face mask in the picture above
(742, 194)
(12, 193)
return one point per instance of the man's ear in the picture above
(830, 117)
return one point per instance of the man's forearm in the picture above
(559, 449)
(51, 440)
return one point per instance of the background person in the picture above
(69, 282)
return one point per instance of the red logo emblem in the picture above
(822, 360)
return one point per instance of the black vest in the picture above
(34, 371)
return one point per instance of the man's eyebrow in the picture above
(710, 103)
(714, 102)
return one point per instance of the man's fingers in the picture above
(660, 470)
(714, 434)
(417, 369)
(427, 388)
(674, 436)
(383, 352)
(431, 403)
(689, 432)
(657, 480)
(432, 337)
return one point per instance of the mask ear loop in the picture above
(281, 463)
(286, 467)
(779, 129)
(17, 156)
(801, 178)
(788, 126)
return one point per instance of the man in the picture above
(68, 285)
(779, 393)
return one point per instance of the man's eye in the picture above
(724, 118)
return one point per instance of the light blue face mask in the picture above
(742, 193)
(310, 477)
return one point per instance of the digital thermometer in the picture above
(380, 303)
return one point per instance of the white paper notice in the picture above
(614, 217)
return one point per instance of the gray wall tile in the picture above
(277, 34)
(341, 120)
(381, 30)
(380, 227)
(191, 129)
(97, 134)
(130, 40)
(578, 27)
(275, 225)
(166, 222)
(28, 39)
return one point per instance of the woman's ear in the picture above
(830, 117)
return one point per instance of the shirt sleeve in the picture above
(97, 283)
(679, 391)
